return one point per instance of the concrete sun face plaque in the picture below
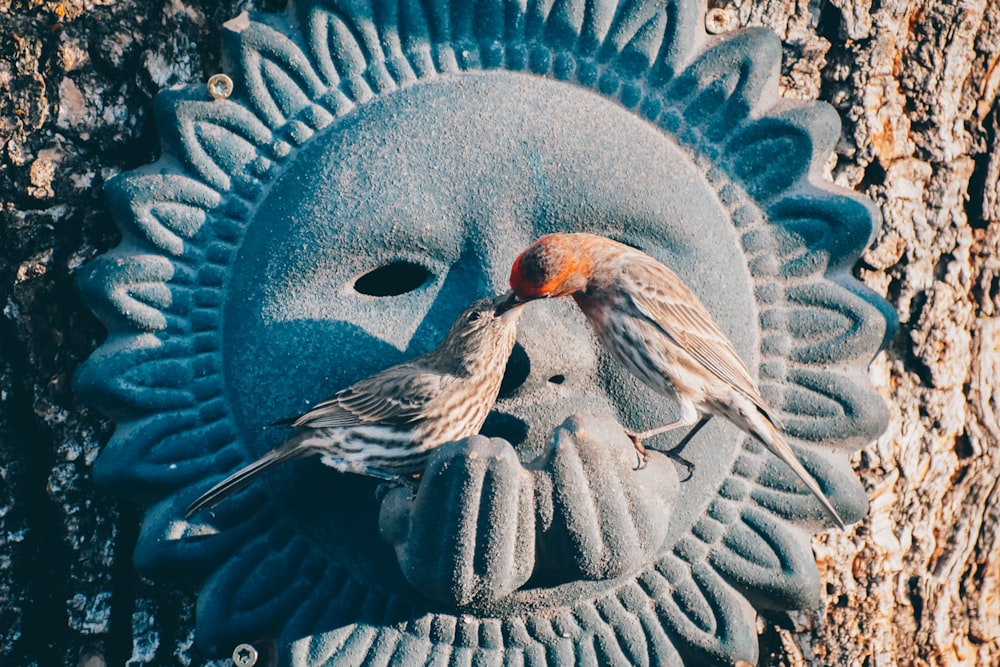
(377, 167)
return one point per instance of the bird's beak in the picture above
(507, 303)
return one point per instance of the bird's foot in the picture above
(641, 453)
(675, 454)
(389, 483)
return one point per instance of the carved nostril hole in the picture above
(557, 379)
(392, 279)
(518, 367)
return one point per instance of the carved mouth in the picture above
(508, 427)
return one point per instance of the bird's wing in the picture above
(660, 297)
(397, 395)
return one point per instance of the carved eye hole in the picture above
(392, 279)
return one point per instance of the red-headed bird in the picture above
(386, 426)
(651, 322)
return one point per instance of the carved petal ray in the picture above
(128, 290)
(724, 632)
(831, 324)
(661, 648)
(339, 607)
(276, 78)
(178, 547)
(729, 79)
(826, 406)
(623, 639)
(149, 455)
(845, 223)
(752, 152)
(136, 375)
(652, 40)
(774, 488)
(218, 140)
(334, 46)
(769, 562)
(235, 604)
(164, 210)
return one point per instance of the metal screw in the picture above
(719, 20)
(244, 655)
(220, 86)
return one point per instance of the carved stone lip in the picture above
(199, 313)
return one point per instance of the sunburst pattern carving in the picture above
(160, 373)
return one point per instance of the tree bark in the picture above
(916, 85)
(915, 82)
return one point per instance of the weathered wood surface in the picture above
(917, 583)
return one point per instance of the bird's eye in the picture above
(475, 316)
(392, 279)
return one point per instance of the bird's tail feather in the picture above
(765, 431)
(240, 479)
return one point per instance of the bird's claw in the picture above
(641, 453)
(676, 456)
(410, 482)
(642, 458)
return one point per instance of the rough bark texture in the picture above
(916, 82)
(918, 583)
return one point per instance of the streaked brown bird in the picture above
(654, 324)
(385, 426)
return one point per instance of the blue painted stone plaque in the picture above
(376, 168)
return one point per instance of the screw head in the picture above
(719, 20)
(244, 655)
(220, 86)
